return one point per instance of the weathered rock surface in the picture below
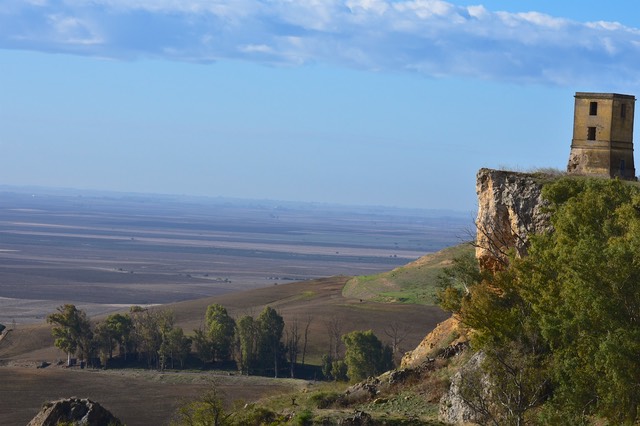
(446, 333)
(510, 208)
(359, 418)
(74, 411)
(453, 408)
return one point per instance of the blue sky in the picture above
(367, 102)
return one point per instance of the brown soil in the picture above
(149, 397)
(136, 397)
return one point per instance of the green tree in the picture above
(327, 367)
(247, 341)
(71, 330)
(583, 286)
(221, 330)
(270, 329)
(339, 370)
(114, 331)
(567, 315)
(365, 355)
(456, 281)
(203, 345)
(150, 327)
(175, 346)
(121, 328)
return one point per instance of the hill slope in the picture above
(412, 283)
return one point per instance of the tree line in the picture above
(262, 345)
(145, 335)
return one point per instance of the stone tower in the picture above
(602, 142)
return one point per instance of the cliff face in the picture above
(510, 208)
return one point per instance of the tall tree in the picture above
(270, 328)
(305, 337)
(335, 326)
(121, 328)
(221, 330)
(292, 337)
(203, 345)
(150, 328)
(247, 341)
(114, 331)
(71, 330)
(175, 346)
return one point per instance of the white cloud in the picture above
(256, 48)
(432, 37)
(375, 6)
(424, 9)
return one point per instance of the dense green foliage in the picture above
(256, 343)
(149, 335)
(270, 347)
(220, 327)
(72, 331)
(365, 355)
(561, 327)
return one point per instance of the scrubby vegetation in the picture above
(559, 328)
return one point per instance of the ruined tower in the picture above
(602, 142)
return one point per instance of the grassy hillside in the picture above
(412, 283)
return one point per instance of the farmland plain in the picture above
(107, 251)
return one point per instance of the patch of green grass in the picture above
(308, 294)
(414, 283)
(404, 405)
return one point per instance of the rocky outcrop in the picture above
(446, 334)
(74, 411)
(454, 409)
(510, 208)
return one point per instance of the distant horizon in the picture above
(70, 191)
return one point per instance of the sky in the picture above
(358, 102)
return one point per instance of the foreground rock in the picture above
(454, 407)
(74, 411)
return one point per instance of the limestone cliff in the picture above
(510, 208)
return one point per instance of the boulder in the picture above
(75, 411)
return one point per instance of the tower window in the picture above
(593, 108)
(623, 110)
(591, 133)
